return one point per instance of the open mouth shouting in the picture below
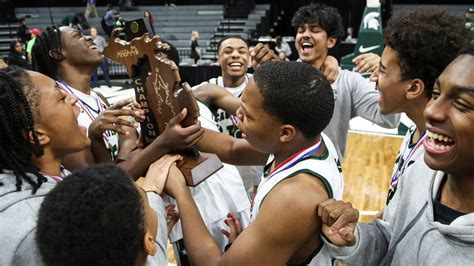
(437, 143)
(306, 47)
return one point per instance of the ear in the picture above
(287, 133)
(56, 54)
(416, 89)
(331, 42)
(149, 244)
(42, 136)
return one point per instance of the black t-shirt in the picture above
(443, 213)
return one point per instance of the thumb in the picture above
(180, 117)
(347, 233)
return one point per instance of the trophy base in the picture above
(197, 169)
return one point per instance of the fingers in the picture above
(224, 232)
(179, 117)
(261, 54)
(337, 214)
(366, 62)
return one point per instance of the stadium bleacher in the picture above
(172, 23)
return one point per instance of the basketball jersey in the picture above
(219, 194)
(407, 155)
(227, 122)
(326, 167)
(90, 106)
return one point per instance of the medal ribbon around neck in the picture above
(290, 162)
(401, 168)
(64, 87)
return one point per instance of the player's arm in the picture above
(365, 103)
(282, 226)
(214, 95)
(231, 150)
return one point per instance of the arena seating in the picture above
(172, 23)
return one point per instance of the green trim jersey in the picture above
(325, 167)
(90, 106)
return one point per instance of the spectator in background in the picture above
(147, 15)
(16, 56)
(76, 20)
(108, 21)
(350, 38)
(23, 32)
(29, 46)
(195, 49)
(100, 42)
(119, 21)
(90, 6)
(282, 47)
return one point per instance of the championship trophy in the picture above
(156, 82)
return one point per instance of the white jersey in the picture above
(325, 167)
(407, 155)
(91, 105)
(219, 194)
(227, 124)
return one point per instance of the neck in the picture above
(415, 112)
(78, 78)
(457, 193)
(233, 82)
(48, 163)
(319, 61)
(291, 148)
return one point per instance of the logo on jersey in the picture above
(371, 21)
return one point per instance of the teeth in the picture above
(235, 64)
(439, 137)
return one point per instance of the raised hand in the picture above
(366, 62)
(261, 54)
(235, 227)
(330, 68)
(338, 221)
(157, 174)
(175, 137)
(115, 118)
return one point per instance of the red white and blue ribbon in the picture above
(290, 162)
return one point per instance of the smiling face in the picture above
(57, 117)
(233, 58)
(313, 43)
(79, 50)
(259, 128)
(450, 119)
(390, 85)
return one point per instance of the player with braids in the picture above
(16, 116)
(38, 127)
(66, 55)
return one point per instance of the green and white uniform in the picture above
(325, 167)
(90, 106)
